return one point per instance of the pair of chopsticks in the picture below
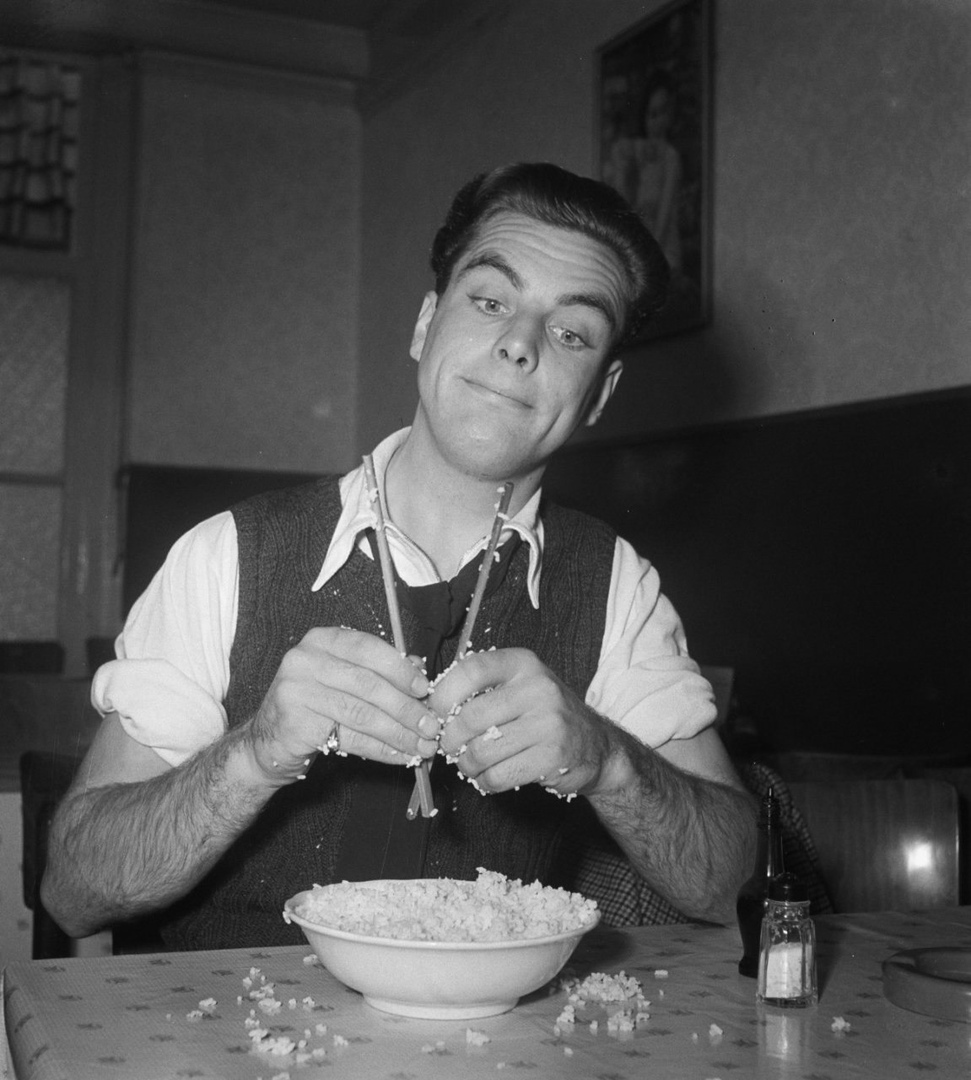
(422, 795)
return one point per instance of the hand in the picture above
(508, 721)
(336, 676)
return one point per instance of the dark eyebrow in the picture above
(591, 300)
(498, 263)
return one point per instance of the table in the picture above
(167, 1016)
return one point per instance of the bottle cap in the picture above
(787, 888)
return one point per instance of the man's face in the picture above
(512, 355)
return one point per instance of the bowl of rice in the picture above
(440, 948)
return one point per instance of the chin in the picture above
(490, 449)
(493, 460)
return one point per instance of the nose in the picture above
(519, 343)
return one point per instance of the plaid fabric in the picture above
(798, 849)
(602, 872)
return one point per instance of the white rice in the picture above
(492, 908)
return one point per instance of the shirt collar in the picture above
(358, 514)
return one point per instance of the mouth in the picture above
(495, 393)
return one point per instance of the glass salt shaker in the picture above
(787, 949)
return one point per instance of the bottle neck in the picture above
(768, 858)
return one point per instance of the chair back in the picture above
(884, 845)
(45, 777)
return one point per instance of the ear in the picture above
(607, 387)
(428, 306)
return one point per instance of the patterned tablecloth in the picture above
(192, 1015)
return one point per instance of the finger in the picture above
(486, 751)
(534, 767)
(533, 744)
(420, 663)
(371, 652)
(363, 693)
(498, 706)
(376, 711)
(472, 674)
(519, 769)
(329, 722)
(315, 689)
(374, 749)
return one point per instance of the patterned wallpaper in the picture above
(246, 270)
(34, 322)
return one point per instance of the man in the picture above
(211, 790)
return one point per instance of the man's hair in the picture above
(556, 197)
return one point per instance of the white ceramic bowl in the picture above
(439, 980)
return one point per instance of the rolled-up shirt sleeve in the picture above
(646, 681)
(169, 681)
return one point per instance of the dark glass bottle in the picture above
(750, 904)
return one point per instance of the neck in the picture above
(442, 508)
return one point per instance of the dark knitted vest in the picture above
(283, 538)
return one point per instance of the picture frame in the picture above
(653, 139)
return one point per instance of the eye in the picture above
(570, 338)
(488, 306)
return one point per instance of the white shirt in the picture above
(172, 673)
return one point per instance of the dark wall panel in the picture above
(162, 502)
(826, 557)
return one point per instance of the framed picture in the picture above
(653, 137)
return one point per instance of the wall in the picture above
(841, 220)
(245, 275)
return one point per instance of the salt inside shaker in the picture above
(787, 949)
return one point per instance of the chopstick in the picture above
(502, 516)
(465, 641)
(423, 787)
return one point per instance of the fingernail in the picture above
(419, 685)
(429, 725)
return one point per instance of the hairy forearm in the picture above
(692, 839)
(122, 850)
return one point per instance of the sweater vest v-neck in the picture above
(294, 843)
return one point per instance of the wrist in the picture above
(620, 766)
(250, 763)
